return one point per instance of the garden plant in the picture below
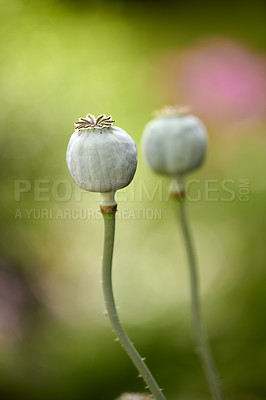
(175, 144)
(103, 158)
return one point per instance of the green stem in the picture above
(202, 343)
(109, 224)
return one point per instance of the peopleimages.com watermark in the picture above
(140, 192)
(62, 190)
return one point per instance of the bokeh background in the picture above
(61, 60)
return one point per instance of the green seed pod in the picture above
(100, 157)
(175, 143)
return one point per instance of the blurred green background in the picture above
(61, 60)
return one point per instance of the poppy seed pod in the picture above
(175, 143)
(100, 157)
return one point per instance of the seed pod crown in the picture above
(92, 122)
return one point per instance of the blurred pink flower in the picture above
(16, 304)
(219, 79)
(134, 396)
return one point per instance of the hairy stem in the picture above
(202, 343)
(109, 224)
